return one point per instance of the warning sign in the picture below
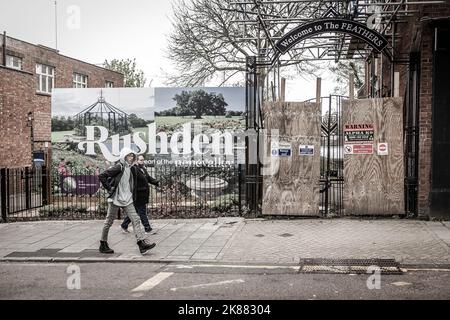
(281, 150)
(358, 149)
(348, 149)
(284, 152)
(382, 149)
(358, 133)
(358, 138)
(363, 149)
(306, 150)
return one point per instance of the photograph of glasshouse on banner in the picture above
(187, 136)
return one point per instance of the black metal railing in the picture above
(22, 190)
(76, 194)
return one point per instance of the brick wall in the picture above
(64, 66)
(425, 103)
(16, 100)
(417, 36)
(18, 96)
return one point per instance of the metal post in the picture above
(4, 48)
(3, 196)
(279, 78)
(56, 25)
(27, 189)
(251, 124)
(45, 181)
(381, 75)
(351, 86)
(240, 188)
(327, 171)
(393, 59)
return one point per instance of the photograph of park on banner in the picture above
(91, 126)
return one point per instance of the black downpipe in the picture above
(4, 48)
(412, 136)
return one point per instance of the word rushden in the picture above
(196, 145)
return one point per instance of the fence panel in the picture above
(184, 192)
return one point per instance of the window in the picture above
(79, 80)
(45, 78)
(14, 62)
(109, 84)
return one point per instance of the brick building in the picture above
(419, 74)
(28, 73)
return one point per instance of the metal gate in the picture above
(331, 156)
(22, 189)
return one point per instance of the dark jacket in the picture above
(110, 179)
(143, 189)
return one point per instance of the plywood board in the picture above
(291, 183)
(374, 183)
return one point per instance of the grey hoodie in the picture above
(124, 193)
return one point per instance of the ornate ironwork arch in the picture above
(336, 25)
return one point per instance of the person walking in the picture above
(121, 183)
(143, 194)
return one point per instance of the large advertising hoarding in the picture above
(178, 126)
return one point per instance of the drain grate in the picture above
(346, 266)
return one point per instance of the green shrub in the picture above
(52, 211)
(224, 203)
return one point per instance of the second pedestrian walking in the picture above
(142, 195)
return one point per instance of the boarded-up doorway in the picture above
(373, 170)
(291, 172)
(373, 157)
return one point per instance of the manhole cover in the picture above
(357, 266)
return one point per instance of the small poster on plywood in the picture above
(382, 149)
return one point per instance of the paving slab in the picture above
(235, 240)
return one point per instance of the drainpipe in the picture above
(4, 48)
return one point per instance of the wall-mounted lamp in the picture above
(30, 119)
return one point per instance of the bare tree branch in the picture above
(205, 43)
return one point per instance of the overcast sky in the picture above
(108, 29)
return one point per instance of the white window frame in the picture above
(45, 78)
(80, 80)
(109, 84)
(13, 62)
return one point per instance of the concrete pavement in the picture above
(234, 240)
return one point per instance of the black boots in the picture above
(104, 248)
(144, 247)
